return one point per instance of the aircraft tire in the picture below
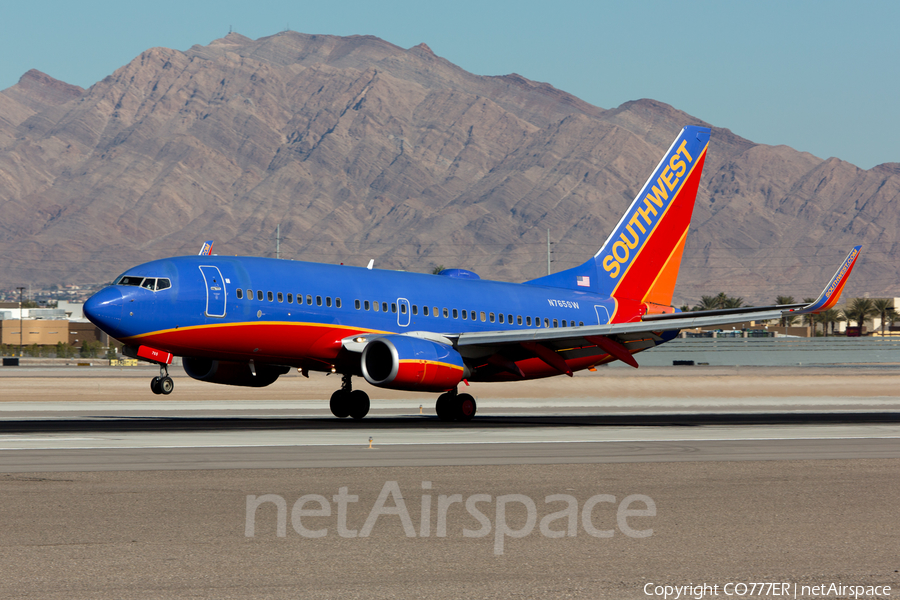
(339, 405)
(154, 386)
(358, 403)
(465, 407)
(444, 407)
(166, 385)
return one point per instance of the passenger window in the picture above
(309, 299)
(259, 295)
(472, 315)
(403, 309)
(280, 297)
(337, 302)
(581, 323)
(537, 321)
(465, 314)
(500, 317)
(435, 311)
(367, 305)
(393, 307)
(149, 283)
(455, 314)
(492, 317)
(446, 313)
(269, 296)
(249, 294)
(163, 284)
(509, 319)
(483, 319)
(375, 306)
(425, 310)
(528, 321)
(415, 309)
(519, 320)
(318, 300)
(356, 304)
(290, 298)
(555, 323)
(546, 322)
(240, 293)
(328, 301)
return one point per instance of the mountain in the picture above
(360, 149)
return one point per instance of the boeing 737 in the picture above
(245, 321)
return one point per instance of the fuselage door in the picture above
(403, 312)
(215, 291)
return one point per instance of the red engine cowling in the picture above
(403, 362)
(232, 373)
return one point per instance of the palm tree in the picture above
(733, 302)
(708, 303)
(891, 315)
(830, 317)
(811, 318)
(882, 305)
(859, 310)
(786, 319)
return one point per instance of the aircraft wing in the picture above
(622, 339)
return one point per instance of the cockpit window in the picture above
(151, 283)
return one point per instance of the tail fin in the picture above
(641, 258)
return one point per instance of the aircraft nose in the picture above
(105, 308)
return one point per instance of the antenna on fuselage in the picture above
(371, 264)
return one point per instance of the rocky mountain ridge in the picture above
(360, 149)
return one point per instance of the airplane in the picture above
(246, 321)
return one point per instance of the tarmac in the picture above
(590, 487)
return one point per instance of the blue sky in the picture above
(821, 77)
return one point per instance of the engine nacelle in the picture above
(402, 362)
(232, 373)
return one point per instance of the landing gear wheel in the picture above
(358, 402)
(444, 407)
(154, 386)
(166, 385)
(465, 407)
(340, 407)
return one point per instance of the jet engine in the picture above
(402, 362)
(232, 373)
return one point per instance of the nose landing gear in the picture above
(162, 384)
(451, 406)
(347, 402)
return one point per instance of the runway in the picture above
(108, 492)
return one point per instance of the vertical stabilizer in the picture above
(641, 258)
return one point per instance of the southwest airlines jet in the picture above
(245, 321)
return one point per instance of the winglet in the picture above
(206, 249)
(832, 292)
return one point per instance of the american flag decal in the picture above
(583, 281)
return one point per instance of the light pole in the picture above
(21, 289)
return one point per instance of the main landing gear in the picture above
(162, 384)
(347, 402)
(452, 406)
